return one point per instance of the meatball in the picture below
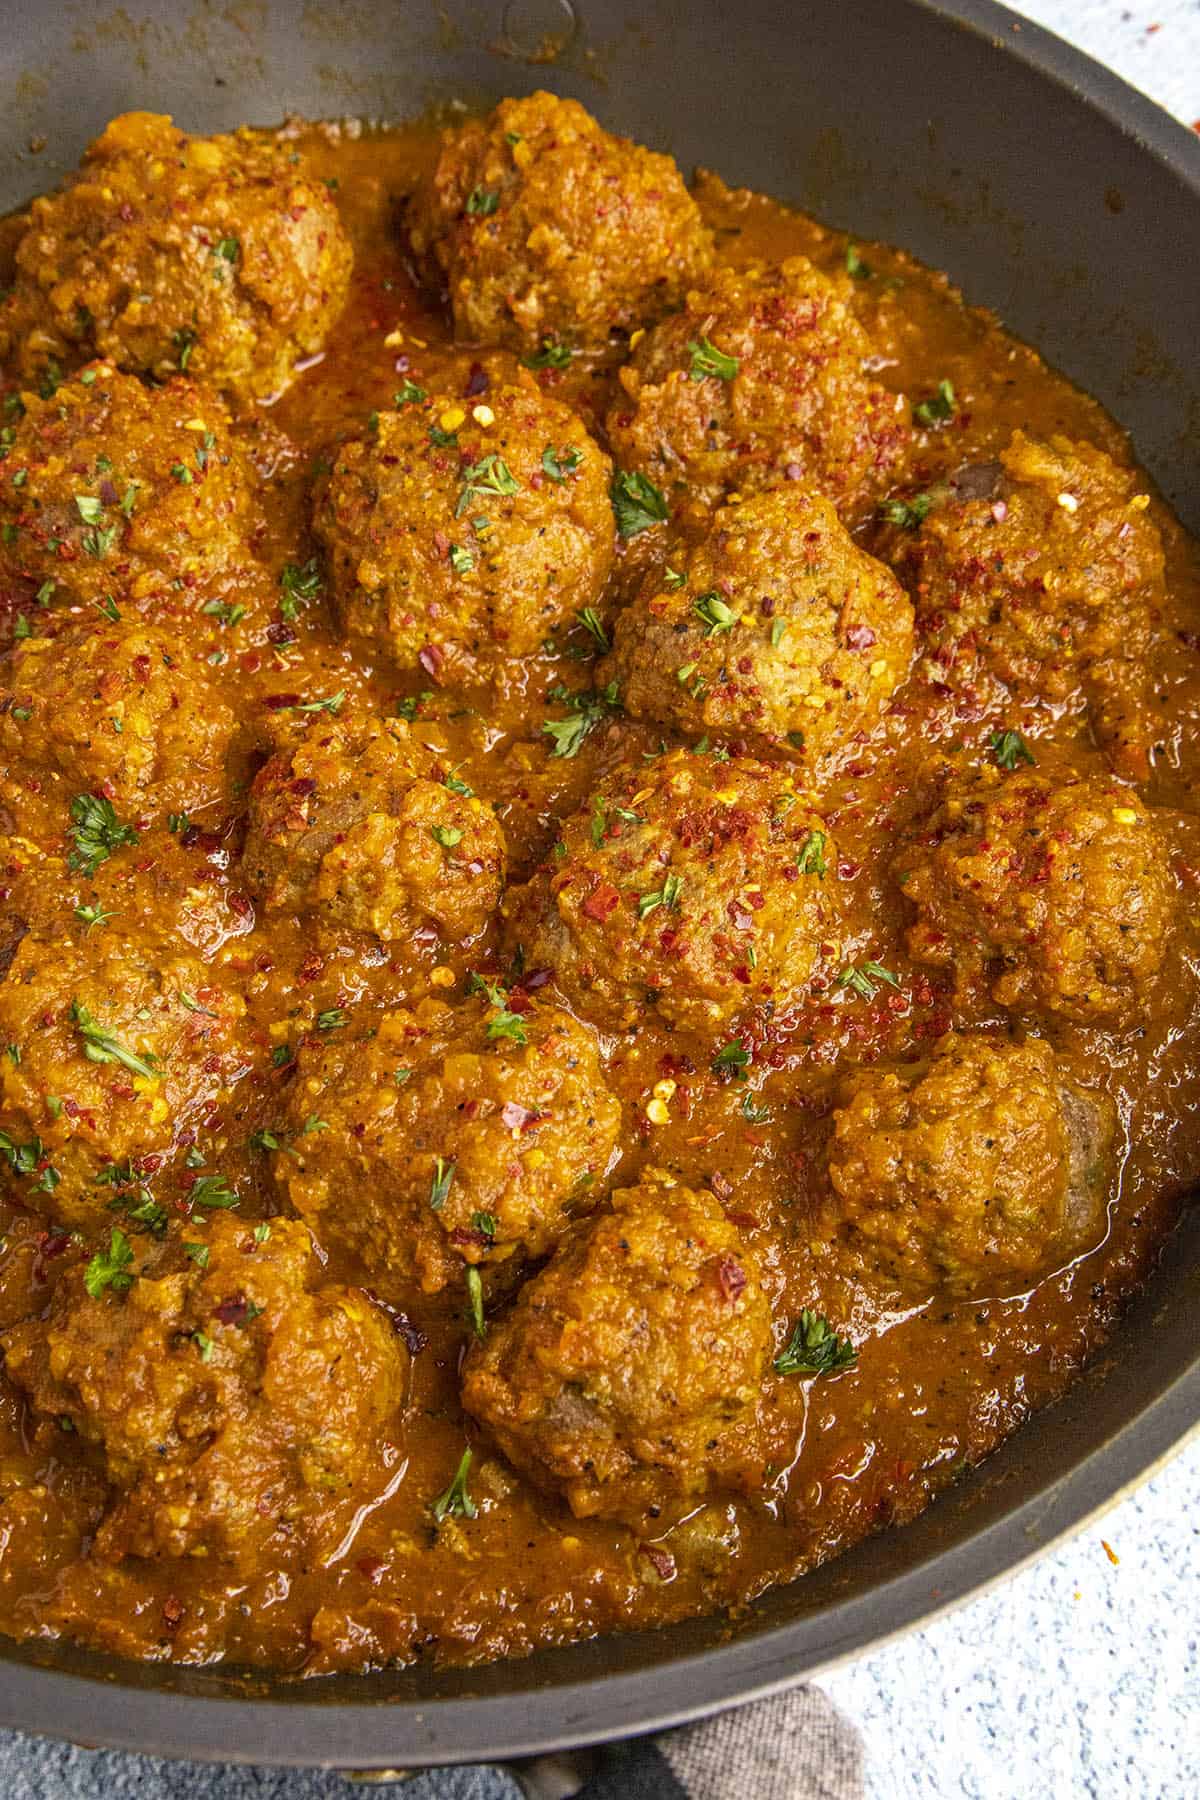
(119, 1047)
(1044, 571)
(358, 823)
(114, 492)
(762, 378)
(166, 252)
(697, 887)
(636, 1358)
(975, 1173)
(228, 1390)
(775, 629)
(466, 1134)
(1053, 888)
(457, 540)
(542, 225)
(125, 710)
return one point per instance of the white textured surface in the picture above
(1076, 1678)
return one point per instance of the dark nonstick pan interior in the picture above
(1050, 192)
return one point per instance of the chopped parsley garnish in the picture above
(938, 408)
(267, 1140)
(811, 860)
(475, 1302)
(865, 980)
(483, 984)
(225, 611)
(673, 579)
(107, 606)
(636, 503)
(855, 266)
(98, 543)
(461, 561)
(731, 1061)
(708, 360)
(490, 475)
(439, 1187)
(712, 611)
(447, 836)
(410, 708)
(482, 202)
(456, 1502)
(443, 440)
(91, 510)
(602, 813)
(331, 1020)
(508, 1025)
(558, 464)
(99, 1046)
(212, 1191)
(182, 474)
(333, 704)
(409, 395)
(552, 355)
(184, 342)
(587, 710)
(199, 1254)
(814, 1348)
(1009, 748)
(593, 624)
(203, 1343)
(667, 895)
(301, 582)
(29, 1160)
(485, 1224)
(228, 249)
(193, 1005)
(110, 1268)
(753, 1114)
(454, 784)
(907, 513)
(92, 915)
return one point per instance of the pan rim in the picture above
(298, 1727)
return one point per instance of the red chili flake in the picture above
(172, 1613)
(241, 905)
(280, 702)
(732, 1277)
(431, 658)
(516, 1117)
(414, 1338)
(660, 1560)
(720, 1185)
(535, 979)
(465, 1237)
(859, 637)
(237, 1310)
(601, 902)
(372, 1569)
(478, 381)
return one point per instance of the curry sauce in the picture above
(346, 894)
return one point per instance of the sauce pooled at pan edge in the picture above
(597, 884)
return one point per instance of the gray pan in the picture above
(1051, 192)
